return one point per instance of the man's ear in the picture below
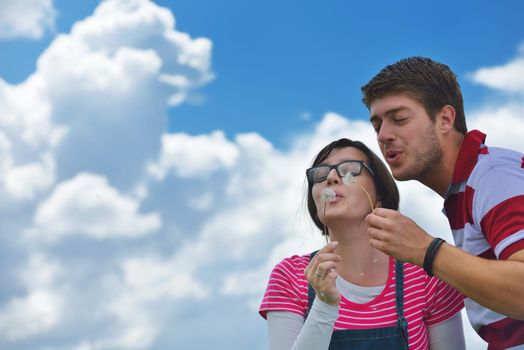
(446, 118)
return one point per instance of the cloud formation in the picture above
(26, 19)
(88, 205)
(508, 77)
(196, 156)
(40, 308)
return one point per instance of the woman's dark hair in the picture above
(386, 188)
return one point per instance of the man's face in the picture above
(406, 136)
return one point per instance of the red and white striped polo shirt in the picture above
(427, 300)
(485, 208)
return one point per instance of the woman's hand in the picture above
(321, 274)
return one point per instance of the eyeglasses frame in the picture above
(335, 166)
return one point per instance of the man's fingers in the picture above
(378, 239)
(384, 212)
(376, 233)
(374, 220)
(377, 244)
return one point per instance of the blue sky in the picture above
(280, 61)
(152, 154)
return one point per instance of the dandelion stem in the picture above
(367, 194)
(324, 222)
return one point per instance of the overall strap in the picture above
(399, 302)
(310, 291)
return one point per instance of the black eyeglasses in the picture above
(321, 172)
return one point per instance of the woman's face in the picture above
(351, 202)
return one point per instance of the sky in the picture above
(152, 154)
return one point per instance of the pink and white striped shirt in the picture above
(427, 300)
(485, 208)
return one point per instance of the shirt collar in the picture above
(467, 157)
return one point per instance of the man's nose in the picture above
(385, 134)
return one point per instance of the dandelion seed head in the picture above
(327, 195)
(348, 179)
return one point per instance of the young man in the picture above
(417, 112)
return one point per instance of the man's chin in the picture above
(400, 175)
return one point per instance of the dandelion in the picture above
(349, 179)
(326, 195)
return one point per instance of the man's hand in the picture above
(398, 236)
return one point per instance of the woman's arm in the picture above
(447, 335)
(288, 331)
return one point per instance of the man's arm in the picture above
(495, 284)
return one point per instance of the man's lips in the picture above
(393, 156)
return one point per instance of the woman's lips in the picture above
(338, 197)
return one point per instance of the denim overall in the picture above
(384, 338)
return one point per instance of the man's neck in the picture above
(441, 177)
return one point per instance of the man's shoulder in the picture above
(495, 162)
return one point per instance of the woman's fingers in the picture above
(321, 273)
(324, 268)
(328, 257)
(327, 253)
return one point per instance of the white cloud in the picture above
(33, 314)
(186, 62)
(88, 205)
(505, 124)
(27, 141)
(75, 137)
(152, 278)
(26, 114)
(148, 285)
(25, 181)
(507, 78)
(114, 74)
(41, 308)
(194, 156)
(26, 18)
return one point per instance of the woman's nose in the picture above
(333, 177)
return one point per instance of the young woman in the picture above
(349, 295)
